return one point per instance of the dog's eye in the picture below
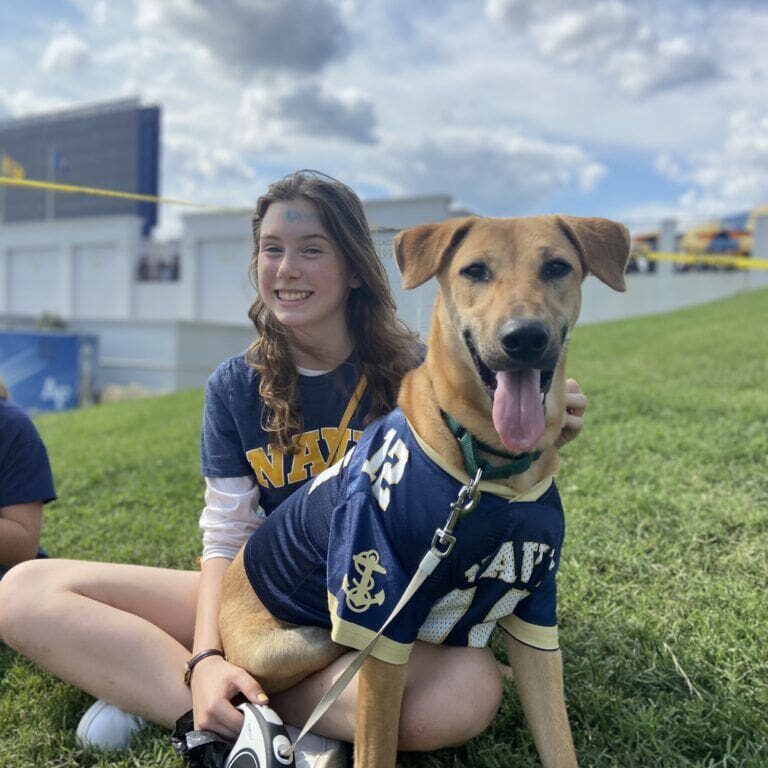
(476, 272)
(555, 269)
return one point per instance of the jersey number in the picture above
(386, 467)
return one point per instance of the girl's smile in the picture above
(293, 295)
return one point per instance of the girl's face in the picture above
(303, 277)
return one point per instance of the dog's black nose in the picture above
(524, 339)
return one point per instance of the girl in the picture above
(329, 357)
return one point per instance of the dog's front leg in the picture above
(539, 680)
(379, 696)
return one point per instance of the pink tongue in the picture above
(518, 414)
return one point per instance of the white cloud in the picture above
(587, 35)
(252, 36)
(502, 110)
(497, 174)
(269, 118)
(670, 167)
(611, 36)
(730, 178)
(737, 174)
(667, 65)
(27, 102)
(99, 13)
(589, 176)
(66, 51)
(255, 128)
(310, 110)
(204, 163)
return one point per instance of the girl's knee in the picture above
(459, 706)
(479, 702)
(483, 700)
(18, 591)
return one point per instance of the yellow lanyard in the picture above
(354, 401)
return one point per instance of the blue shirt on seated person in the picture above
(26, 483)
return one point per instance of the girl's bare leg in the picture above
(120, 632)
(451, 695)
(123, 633)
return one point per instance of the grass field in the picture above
(663, 583)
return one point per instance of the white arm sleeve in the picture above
(231, 514)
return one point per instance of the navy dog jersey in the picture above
(340, 552)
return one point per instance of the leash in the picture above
(470, 445)
(442, 544)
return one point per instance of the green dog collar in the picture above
(470, 446)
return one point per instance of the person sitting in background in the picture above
(26, 483)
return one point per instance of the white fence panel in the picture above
(96, 280)
(35, 277)
(224, 292)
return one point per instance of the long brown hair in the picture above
(385, 348)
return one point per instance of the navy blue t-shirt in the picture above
(25, 472)
(340, 552)
(233, 443)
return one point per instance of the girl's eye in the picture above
(555, 269)
(477, 272)
(312, 251)
(270, 249)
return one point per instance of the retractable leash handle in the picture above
(442, 544)
(263, 741)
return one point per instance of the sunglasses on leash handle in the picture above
(262, 743)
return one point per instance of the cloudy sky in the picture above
(635, 110)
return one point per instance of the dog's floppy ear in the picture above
(421, 251)
(603, 246)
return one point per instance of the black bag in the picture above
(200, 749)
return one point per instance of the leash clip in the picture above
(462, 506)
(444, 538)
(469, 496)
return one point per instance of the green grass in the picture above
(662, 584)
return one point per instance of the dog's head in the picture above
(512, 290)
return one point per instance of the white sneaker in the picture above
(315, 751)
(107, 727)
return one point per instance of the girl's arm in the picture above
(215, 681)
(230, 515)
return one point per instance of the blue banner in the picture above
(48, 371)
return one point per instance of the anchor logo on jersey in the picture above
(359, 596)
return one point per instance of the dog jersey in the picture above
(340, 552)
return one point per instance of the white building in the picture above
(166, 335)
(163, 334)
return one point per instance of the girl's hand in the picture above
(215, 682)
(576, 404)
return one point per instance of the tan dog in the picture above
(509, 298)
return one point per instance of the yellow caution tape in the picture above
(77, 190)
(742, 262)
(680, 258)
